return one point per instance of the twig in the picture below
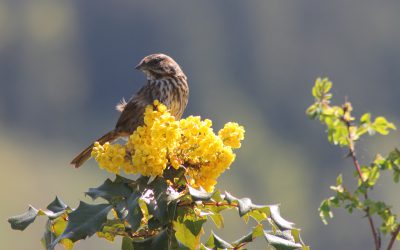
(393, 238)
(377, 240)
(207, 203)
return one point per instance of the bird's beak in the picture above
(140, 66)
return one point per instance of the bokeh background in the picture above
(65, 64)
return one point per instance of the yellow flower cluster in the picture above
(163, 141)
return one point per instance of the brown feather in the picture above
(83, 156)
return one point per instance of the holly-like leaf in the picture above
(157, 200)
(127, 244)
(256, 232)
(218, 219)
(279, 221)
(188, 232)
(57, 206)
(199, 195)
(135, 214)
(22, 221)
(230, 198)
(216, 242)
(280, 243)
(110, 190)
(84, 221)
(48, 236)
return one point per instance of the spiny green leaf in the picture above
(199, 195)
(111, 229)
(280, 243)
(160, 241)
(277, 218)
(217, 196)
(48, 236)
(127, 244)
(230, 198)
(256, 232)
(22, 221)
(57, 206)
(156, 200)
(216, 242)
(245, 206)
(258, 215)
(110, 190)
(218, 219)
(84, 221)
(135, 214)
(185, 236)
(157, 242)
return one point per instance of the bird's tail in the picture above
(83, 156)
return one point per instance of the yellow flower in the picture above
(232, 134)
(163, 141)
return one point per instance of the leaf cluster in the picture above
(345, 130)
(163, 213)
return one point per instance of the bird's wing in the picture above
(121, 105)
(132, 114)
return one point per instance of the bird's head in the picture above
(157, 66)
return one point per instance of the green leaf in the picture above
(127, 244)
(277, 218)
(382, 126)
(135, 214)
(111, 229)
(230, 198)
(258, 215)
(20, 222)
(199, 195)
(218, 220)
(256, 232)
(280, 243)
(339, 180)
(325, 211)
(216, 242)
(160, 241)
(296, 235)
(48, 236)
(365, 118)
(217, 196)
(245, 206)
(185, 236)
(57, 206)
(84, 221)
(156, 199)
(373, 175)
(110, 190)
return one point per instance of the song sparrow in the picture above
(166, 82)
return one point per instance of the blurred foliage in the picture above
(344, 130)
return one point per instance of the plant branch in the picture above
(393, 238)
(375, 235)
(207, 203)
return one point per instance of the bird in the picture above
(166, 83)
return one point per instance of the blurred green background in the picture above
(65, 64)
